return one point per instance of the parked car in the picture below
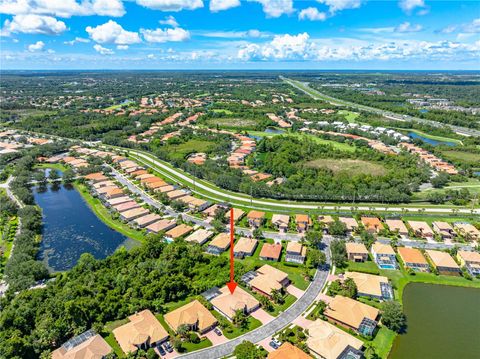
(218, 332)
(273, 345)
(161, 350)
(168, 347)
(277, 342)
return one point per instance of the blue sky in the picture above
(239, 34)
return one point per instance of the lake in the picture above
(429, 140)
(443, 322)
(70, 228)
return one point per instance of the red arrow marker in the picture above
(231, 285)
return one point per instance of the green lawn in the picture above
(462, 156)
(289, 300)
(383, 341)
(365, 267)
(339, 145)
(222, 111)
(104, 215)
(190, 347)
(182, 150)
(110, 339)
(349, 166)
(349, 115)
(232, 331)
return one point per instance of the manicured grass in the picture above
(289, 300)
(110, 339)
(232, 122)
(349, 166)
(104, 215)
(462, 156)
(364, 267)
(190, 347)
(222, 111)
(233, 332)
(349, 115)
(433, 137)
(383, 341)
(338, 145)
(57, 166)
(184, 149)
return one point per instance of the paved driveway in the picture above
(264, 344)
(214, 338)
(297, 293)
(303, 322)
(262, 316)
(167, 355)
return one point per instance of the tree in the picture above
(183, 330)
(339, 253)
(248, 350)
(393, 317)
(240, 319)
(337, 228)
(257, 233)
(277, 296)
(151, 354)
(68, 176)
(314, 238)
(315, 257)
(266, 303)
(53, 175)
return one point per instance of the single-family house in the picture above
(467, 230)
(255, 218)
(384, 256)
(219, 244)
(132, 214)
(146, 220)
(303, 222)
(95, 177)
(126, 206)
(288, 351)
(227, 304)
(443, 262)
(161, 226)
(245, 247)
(175, 195)
(352, 314)
(350, 223)
(267, 279)
(200, 236)
(143, 331)
(296, 252)
(421, 229)
(179, 231)
(327, 341)
(193, 315)
(356, 252)
(117, 201)
(280, 221)
(271, 252)
(412, 258)
(444, 229)
(397, 225)
(237, 214)
(371, 224)
(470, 260)
(373, 286)
(87, 345)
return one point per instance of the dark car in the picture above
(168, 347)
(161, 351)
(273, 345)
(217, 331)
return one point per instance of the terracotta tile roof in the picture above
(179, 231)
(328, 341)
(367, 283)
(200, 236)
(288, 351)
(191, 314)
(271, 251)
(469, 256)
(93, 348)
(161, 225)
(222, 241)
(380, 248)
(143, 327)
(245, 245)
(229, 303)
(411, 255)
(372, 223)
(353, 247)
(350, 222)
(349, 311)
(256, 215)
(441, 259)
(396, 224)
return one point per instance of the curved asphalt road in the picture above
(268, 330)
(249, 202)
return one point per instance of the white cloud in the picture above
(150, 56)
(122, 47)
(63, 8)
(253, 33)
(102, 50)
(38, 46)
(338, 5)
(302, 48)
(169, 20)
(312, 14)
(276, 8)
(473, 27)
(165, 35)
(407, 27)
(34, 24)
(112, 33)
(77, 39)
(220, 5)
(171, 5)
(409, 5)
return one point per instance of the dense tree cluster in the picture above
(97, 291)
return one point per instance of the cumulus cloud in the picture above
(122, 47)
(169, 20)
(36, 47)
(276, 8)
(302, 48)
(34, 24)
(63, 8)
(409, 5)
(171, 5)
(338, 5)
(165, 35)
(102, 50)
(253, 33)
(312, 14)
(220, 5)
(76, 40)
(407, 27)
(112, 33)
(150, 56)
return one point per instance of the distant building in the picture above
(470, 260)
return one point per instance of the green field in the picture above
(222, 111)
(349, 115)
(338, 145)
(233, 122)
(182, 150)
(351, 167)
(461, 156)
(433, 137)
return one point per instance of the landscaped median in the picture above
(209, 191)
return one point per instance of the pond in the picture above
(443, 322)
(274, 130)
(429, 140)
(70, 228)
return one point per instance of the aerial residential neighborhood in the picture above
(262, 179)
